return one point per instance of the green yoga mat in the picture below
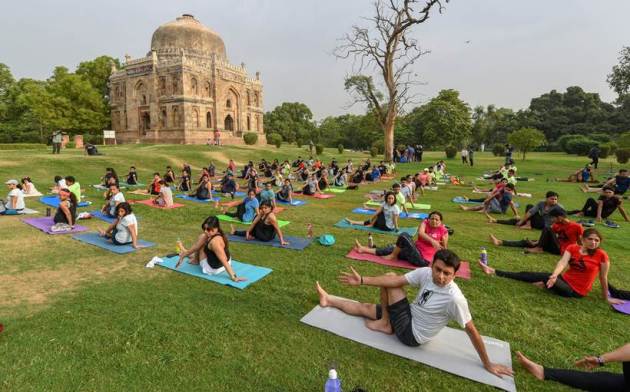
(416, 206)
(225, 218)
(335, 190)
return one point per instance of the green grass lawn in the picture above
(80, 318)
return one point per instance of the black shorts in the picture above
(400, 320)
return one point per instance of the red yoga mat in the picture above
(150, 204)
(317, 195)
(463, 272)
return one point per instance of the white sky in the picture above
(518, 49)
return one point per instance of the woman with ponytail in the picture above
(211, 251)
(67, 211)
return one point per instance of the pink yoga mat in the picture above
(317, 195)
(623, 308)
(150, 204)
(464, 268)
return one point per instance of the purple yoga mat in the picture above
(45, 223)
(623, 308)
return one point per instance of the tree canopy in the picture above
(291, 120)
(526, 139)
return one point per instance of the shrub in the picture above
(340, 148)
(70, 145)
(623, 155)
(600, 137)
(580, 145)
(451, 151)
(319, 149)
(604, 151)
(613, 147)
(624, 140)
(299, 143)
(275, 139)
(250, 138)
(565, 139)
(498, 150)
(379, 145)
(374, 151)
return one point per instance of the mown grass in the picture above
(78, 318)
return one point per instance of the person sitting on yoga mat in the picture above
(246, 209)
(312, 186)
(14, 203)
(169, 176)
(211, 251)
(586, 381)
(620, 183)
(268, 195)
(536, 217)
(432, 236)
(323, 180)
(252, 180)
(28, 188)
(184, 182)
(154, 186)
(263, 228)
(286, 192)
(497, 202)
(60, 183)
(229, 185)
(439, 301)
(341, 179)
(204, 189)
(110, 177)
(124, 230)
(74, 187)
(114, 198)
(555, 239)
(604, 207)
(132, 176)
(584, 174)
(386, 216)
(574, 273)
(165, 198)
(66, 213)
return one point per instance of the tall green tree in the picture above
(291, 120)
(6, 82)
(619, 78)
(526, 139)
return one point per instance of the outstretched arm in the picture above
(480, 347)
(622, 354)
(603, 280)
(353, 278)
(623, 213)
(562, 264)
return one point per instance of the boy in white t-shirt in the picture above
(439, 301)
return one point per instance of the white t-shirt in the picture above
(115, 199)
(435, 306)
(389, 212)
(167, 195)
(19, 202)
(62, 183)
(123, 235)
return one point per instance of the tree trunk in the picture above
(388, 135)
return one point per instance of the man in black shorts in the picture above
(438, 302)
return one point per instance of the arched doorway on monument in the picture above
(145, 123)
(229, 123)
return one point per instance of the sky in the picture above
(517, 50)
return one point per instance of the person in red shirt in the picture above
(555, 239)
(574, 274)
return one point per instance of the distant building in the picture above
(184, 90)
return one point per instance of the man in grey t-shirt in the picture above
(57, 138)
(439, 301)
(537, 216)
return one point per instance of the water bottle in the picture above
(333, 384)
(48, 211)
(484, 255)
(370, 241)
(177, 247)
(309, 229)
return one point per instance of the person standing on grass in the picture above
(57, 139)
(594, 155)
(586, 381)
(471, 155)
(439, 301)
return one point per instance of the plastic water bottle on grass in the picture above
(333, 384)
(483, 257)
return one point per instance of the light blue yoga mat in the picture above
(403, 215)
(295, 202)
(102, 242)
(251, 272)
(100, 215)
(295, 243)
(192, 198)
(53, 201)
(345, 225)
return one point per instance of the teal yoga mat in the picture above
(345, 225)
(251, 272)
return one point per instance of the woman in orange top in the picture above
(575, 272)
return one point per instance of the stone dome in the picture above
(189, 34)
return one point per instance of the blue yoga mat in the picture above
(101, 216)
(403, 215)
(192, 198)
(101, 242)
(53, 201)
(345, 225)
(295, 243)
(294, 204)
(251, 272)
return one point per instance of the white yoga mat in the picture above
(451, 350)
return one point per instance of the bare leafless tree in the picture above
(385, 46)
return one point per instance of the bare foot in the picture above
(495, 240)
(379, 325)
(101, 232)
(535, 369)
(232, 229)
(490, 219)
(388, 257)
(525, 227)
(486, 270)
(357, 246)
(533, 250)
(463, 207)
(323, 295)
(216, 205)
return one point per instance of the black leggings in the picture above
(379, 223)
(590, 209)
(619, 294)
(561, 287)
(240, 211)
(592, 381)
(408, 251)
(480, 200)
(261, 232)
(536, 220)
(547, 241)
